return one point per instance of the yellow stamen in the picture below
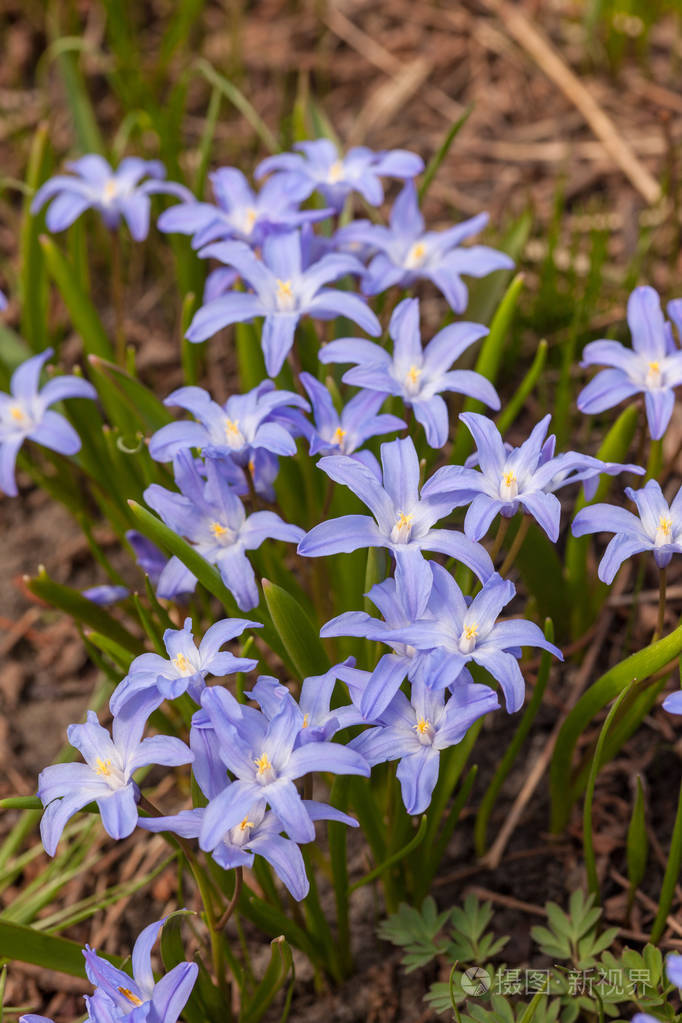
(263, 763)
(470, 631)
(418, 250)
(339, 434)
(665, 524)
(414, 374)
(655, 367)
(110, 189)
(422, 726)
(246, 823)
(231, 427)
(404, 521)
(252, 466)
(335, 172)
(217, 529)
(102, 767)
(16, 412)
(181, 663)
(284, 289)
(251, 216)
(127, 993)
(509, 478)
(306, 720)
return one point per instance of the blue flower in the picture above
(263, 756)
(527, 476)
(657, 529)
(209, 514)
(652, 367)
(140, 998)
(344, 433)
(460, 630)
(319, 167)
(416, 731)
(416, 375)
(106, 777)
(284, 289)
(113, 193)
(186, 668)
(238, 211)
(25, 415)
(106, 594)
(235, 430)
(403, 518)
(401, 600)
(407, 253)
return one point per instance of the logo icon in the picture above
(475, 981)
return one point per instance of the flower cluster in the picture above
(121, 998)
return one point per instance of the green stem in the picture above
(672, 871)
(499, 538)
(588, 844)
(516, 546)
(238, 881)
(655, 460)
(117, 298)
(662, 583)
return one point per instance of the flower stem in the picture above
(238, 880)
(117, 297)
(655, 460)
(516, 546)
(662, 583)
(670, 877)
(499, 537)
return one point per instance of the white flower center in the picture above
(182, 665)
(654, 377)
(241, 833)
(402, 529)
(265, 771)
(415, 256)
(110, 191)
(664, 531)
(233, 434)
(250, 218)
(509, 487)
(335, 172)
(425, 732)
(222, 535)
(411, 382)
(112, 775)
(286, 300)
(467, 641)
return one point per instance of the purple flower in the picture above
(25, 415)
(284, 289)
(401, 601)
(151, 560)
(526, 477)
(209, 514)
(344, 432)
(416, 375)
(106, 777)
(403, 517)
(407, 253)
(106, 594)
(319, 167)
(653, 367)
(257, 834)
(263, 756)
(186, 667)
(114, 193)
(238, 211)
(459, 631)
(3, 305)
(140, 998)
(416, 731)
(235, 430)
(657, 529)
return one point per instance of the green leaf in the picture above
(637, 840)
(299, 637)
(239, 100)
(82, 609)
(489, 362)
(47, 950)
(396, 857)
(280, 966)
(516, 402)
(83, 313)
(442, 151)
(33, 290)
(140, 401)
(641, 665)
